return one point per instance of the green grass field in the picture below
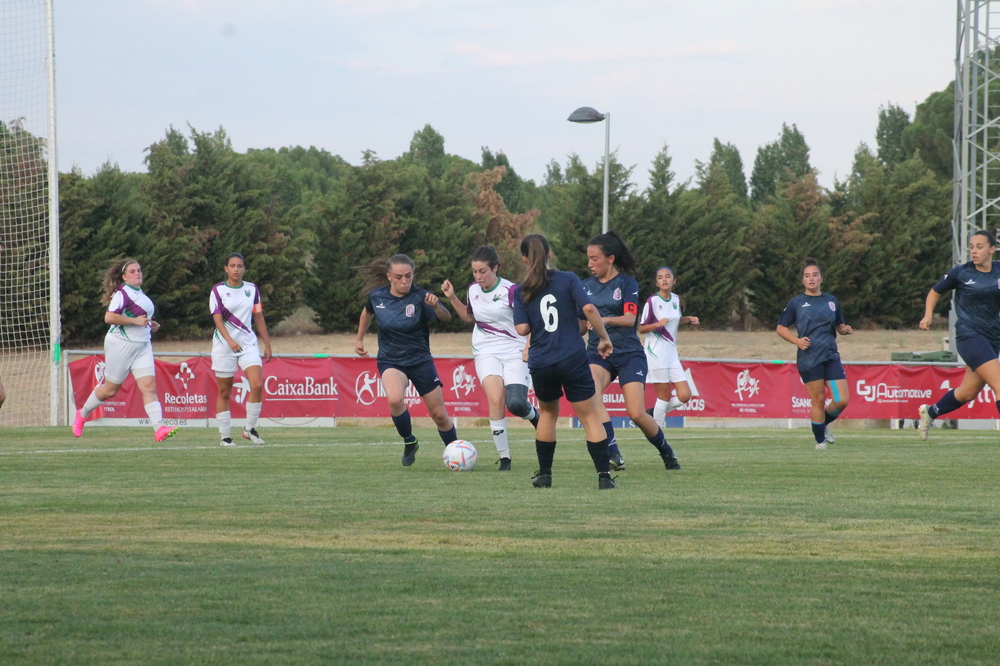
(322, 547)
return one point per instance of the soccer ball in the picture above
(459, 456)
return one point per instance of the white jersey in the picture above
(661, 342)
(131, 302)
(493, 311)
(237, 306)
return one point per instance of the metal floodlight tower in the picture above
(976, 191)
(586, 114)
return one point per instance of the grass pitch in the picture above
(320, 546)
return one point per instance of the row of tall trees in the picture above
(305, 218)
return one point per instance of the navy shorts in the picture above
(423, 375)
(627, 368)
(571, 374)
(831, 370)
(976, 350)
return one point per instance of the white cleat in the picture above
(828, 437)
(251, 434)
(924, 426)
(821, 446)
(227, 441)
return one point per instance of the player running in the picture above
(127, 346)
(661, 316)
(615, 293)
(235, 306)
(545, 306)
(817, 319)
(403, 311)
(497, 348)
(977, 330)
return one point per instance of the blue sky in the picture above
(351, 75)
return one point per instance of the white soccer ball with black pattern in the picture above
(460, 456)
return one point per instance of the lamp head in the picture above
(586, 114)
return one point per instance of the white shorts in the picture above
(666, 369)
(512, 369)
(122, 356)
(224, 361)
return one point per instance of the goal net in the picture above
(29, 258)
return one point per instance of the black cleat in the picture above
(504, 465)
(410, 453)
(605, 482)
(670, 462)
(650, 411)
(540, 480)
(616, 462)
(534, 421)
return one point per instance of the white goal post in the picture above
(29, 216)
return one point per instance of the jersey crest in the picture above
(833, 308)
(617, 295)
(410, 310)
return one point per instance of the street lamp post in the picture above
(586, 114)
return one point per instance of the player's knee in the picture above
(517, 400)
(518, 405)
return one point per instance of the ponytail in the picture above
(114, 277)
(536, 249)
(374, 272)
(611, 244)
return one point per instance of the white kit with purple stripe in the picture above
(662, 342)
(493, 311)
(131, 302)
(236, 305)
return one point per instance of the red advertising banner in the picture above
(350, 387)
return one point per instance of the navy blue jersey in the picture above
(552, 315)
(816, 318)
(977, 300)
(403, 337)
(614, 298)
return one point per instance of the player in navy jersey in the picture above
(498, 349)
(615, 293)
(402, 311)
(546, 304)
(127, 346)
(817, 319)
(235, 306)
(977, 329)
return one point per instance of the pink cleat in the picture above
(78, 424)
(163, 432)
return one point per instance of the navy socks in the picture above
(947, 403)
(599, 454)
(546, 452)
(403, 426)
(448, 436)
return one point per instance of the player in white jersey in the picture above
(127, 346)
(235, 306)
(496, 345)
(661, 316)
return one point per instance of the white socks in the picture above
(253, 414)
(499, 429)
(155, 413)
(225, 425)
(662, 407)
(91, 404)
(532, 414)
